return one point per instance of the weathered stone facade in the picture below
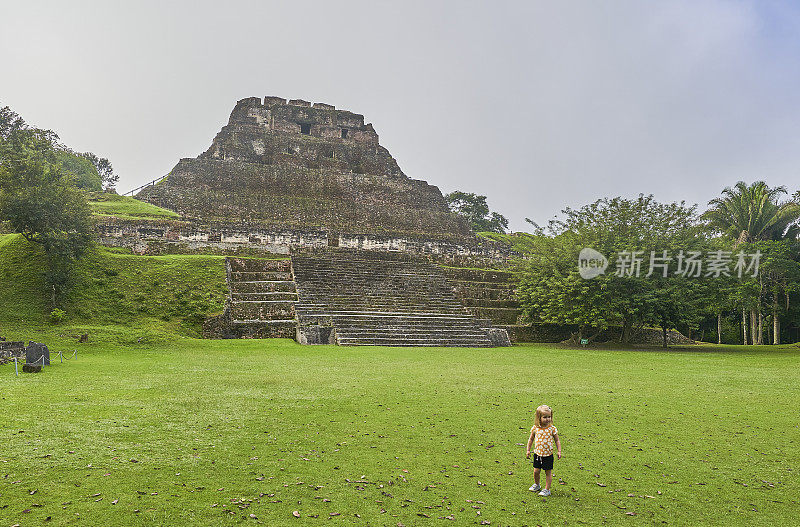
(172, 236)
(11, 349)
(300, 166)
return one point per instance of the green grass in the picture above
(208, 432)
(148, 426)
(127, 207)
(114, 296)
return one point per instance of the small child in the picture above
(544, 433)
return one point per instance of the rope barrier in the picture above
(74, 355)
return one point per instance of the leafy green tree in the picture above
(38, 198)
(750, 214)
(108, 178)
(80, 172)
(476, 211)
(778, 277)
(552, 289)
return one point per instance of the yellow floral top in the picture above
(544, 440)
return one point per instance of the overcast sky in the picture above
(537, 105)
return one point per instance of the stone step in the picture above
(263, 286)
(398, 306)
(261, 310)
(483, 285)
(406, 342)
(252, 276)
(273, 295)
(483, 302)
(397, 314)
(478, 275)
(259, 265)
(450, 334)
(277, 322)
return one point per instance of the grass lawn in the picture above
(194, 432)
(105, 204)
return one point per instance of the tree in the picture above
(108, 178)
(39, 199)
(79, 170)
(752, 213)
(476, 211)
(553, 290)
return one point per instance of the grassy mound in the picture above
(113, 295)
(211, 432)
(127, 207)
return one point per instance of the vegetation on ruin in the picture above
(113, 295)
(476, 211)
(127, 207)
(520, 242)
(210, 432)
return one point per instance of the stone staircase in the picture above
(262, 298)
(491, 293)
(351, 297)
(486, 293)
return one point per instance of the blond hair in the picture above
(537, 420)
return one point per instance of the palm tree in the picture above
(749, 214)
(753, 213)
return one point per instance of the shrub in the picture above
(57, 316)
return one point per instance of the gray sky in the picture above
(537, 105)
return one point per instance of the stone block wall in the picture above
(11, 349)
(210, 190)
(303, 135)
(180, 237)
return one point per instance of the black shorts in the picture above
(543, 462)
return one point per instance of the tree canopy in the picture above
(749, 213)
(644, 285)
(475, 209)
(40, 197)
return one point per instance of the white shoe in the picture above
(535, 487)
(545, 492)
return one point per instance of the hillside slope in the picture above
(113, 295)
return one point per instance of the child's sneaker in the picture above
(535, 487)
(545, 492)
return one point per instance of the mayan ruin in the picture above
(365, 240)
